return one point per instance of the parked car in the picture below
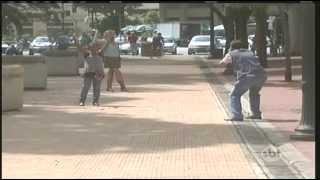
(170, 46)
(124, 48)
(63, 42)
(17, 45)
(199, 44)
(4, 46)
(40, 44)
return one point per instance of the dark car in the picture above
(63, 42)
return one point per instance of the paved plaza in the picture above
(169, 125)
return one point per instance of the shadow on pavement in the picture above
(281, 120)
(66, 131)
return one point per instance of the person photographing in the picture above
(250, 75)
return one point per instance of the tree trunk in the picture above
(294, 22)
(228, 28)
(229, 34)
(240, 16)
(241, 21)
(261, 32)
(288, 72)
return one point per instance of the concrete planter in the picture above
(146, 49)
(80, 60)
(35, 70)
(12, 87)
(62, 63)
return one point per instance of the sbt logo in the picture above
(270, 153)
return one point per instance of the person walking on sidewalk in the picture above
(133, 38)
(157, 45)
(93, 73)
(111, 56)
(250, 75)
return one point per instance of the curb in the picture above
(294, 160)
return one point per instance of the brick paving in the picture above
(169, 125)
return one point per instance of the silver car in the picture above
(199, 44)
(170, 46)
(40, 44)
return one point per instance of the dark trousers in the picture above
(89, 78)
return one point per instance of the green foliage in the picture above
(108, 22)
(133, 20)
(18, 13)
(151, 17)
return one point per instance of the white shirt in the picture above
(226, 60)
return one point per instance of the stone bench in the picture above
(35, 70)
(62, 62)
(12, 87)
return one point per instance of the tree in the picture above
(241, 20)
(234, 20)
(151, 17)
(108, 22)
(115, 11)
(18, 13)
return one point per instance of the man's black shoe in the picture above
(253, 117)
(233, 119)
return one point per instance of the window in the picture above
(168, 40)
(202, 39)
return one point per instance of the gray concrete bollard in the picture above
(12, 87)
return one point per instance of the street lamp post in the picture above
(305, 130)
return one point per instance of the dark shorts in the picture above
(112, 62)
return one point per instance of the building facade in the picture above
(187, 13)
(67, 19)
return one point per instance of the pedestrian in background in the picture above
(157, 45)
(111, 56)
(93, 73)
(250, 75)
(12, 50)
(133, 38)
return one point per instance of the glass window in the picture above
(168, 40)
(42, 39)
(202, 39)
